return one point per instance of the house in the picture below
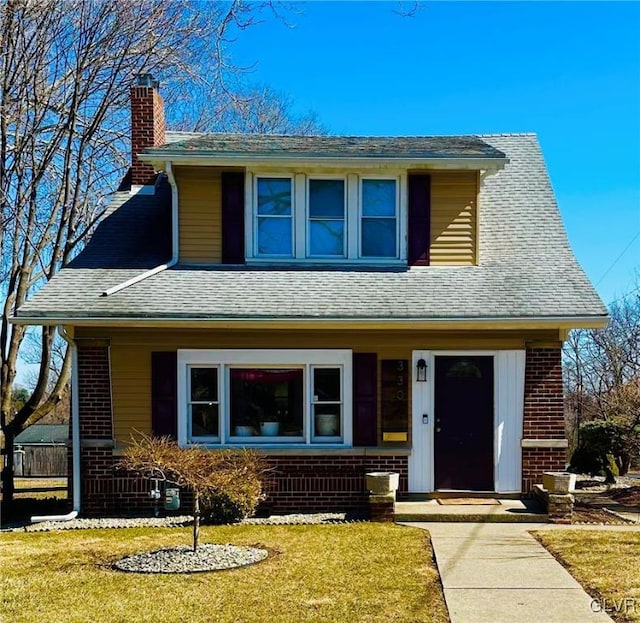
(41, 450)
(343, 304)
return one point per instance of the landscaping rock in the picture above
(182, 559)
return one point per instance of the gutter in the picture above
(75, 435)
(205, 158)
(174, 240)
(485, 322)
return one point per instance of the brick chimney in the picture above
(147, 126)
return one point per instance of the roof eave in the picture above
(202, 158)
(437, 323)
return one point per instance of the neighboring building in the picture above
(343, 304)
(42, 450)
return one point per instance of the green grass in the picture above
(606, 563)
(328, 573)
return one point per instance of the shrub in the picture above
(229, 481)
(600, 442)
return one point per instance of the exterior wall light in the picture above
(421, 371)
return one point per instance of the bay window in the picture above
(264, 397)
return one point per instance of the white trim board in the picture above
(509, 369)
(223, 358)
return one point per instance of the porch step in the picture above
(507, 511)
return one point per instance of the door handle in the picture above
(425, 418)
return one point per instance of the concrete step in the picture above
(506, 511)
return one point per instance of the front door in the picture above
(463, 433)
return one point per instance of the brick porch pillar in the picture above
(544, 445)
(96, 427)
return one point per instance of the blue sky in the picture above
(570, 72)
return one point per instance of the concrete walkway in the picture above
(497, 573)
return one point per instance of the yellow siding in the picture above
(131, 355)
(199, 214)
(454, 213)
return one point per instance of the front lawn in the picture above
(327, 573)
(606, 563)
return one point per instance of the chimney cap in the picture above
(147, 80)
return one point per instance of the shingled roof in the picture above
(405, 147)
(526, 268)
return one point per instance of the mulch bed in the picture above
(583, 514)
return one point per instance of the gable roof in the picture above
(43, 434)
(526, 271)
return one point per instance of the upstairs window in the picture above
(326, 218)
(274, 217)
(379, 220)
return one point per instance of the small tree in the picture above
(235, 474)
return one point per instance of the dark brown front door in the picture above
(463, 410)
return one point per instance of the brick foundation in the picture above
(535, 461)
(297, 484)
(543, 414)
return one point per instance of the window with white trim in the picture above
(203, 403)
(274, 216)
(326, 218)
(264, 397)
(379, 218)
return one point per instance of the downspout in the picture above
(174, 240)
(75, 435)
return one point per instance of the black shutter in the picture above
(232, 217)
(365, 399)
(164, 394)
(419, 219)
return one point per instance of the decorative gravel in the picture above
(208, 557)
(109, 522)
(175, 521)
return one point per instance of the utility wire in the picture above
(606, 272)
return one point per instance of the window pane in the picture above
(274, 236)
(326, 384)
(378, 197)
(266, 402)
(204, 384)
(204, 420)
(326, 420)
(326, 199)
(274, 196)
(326, 238)
(379, 237)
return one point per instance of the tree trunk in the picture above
(196, 521)
(7, 472)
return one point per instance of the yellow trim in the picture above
(394, 436)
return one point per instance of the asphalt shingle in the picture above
(526, 269)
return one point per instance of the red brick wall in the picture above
(323, 483)
(96, 426)
(538, 460)
(297, 484)
(94, 387)
(543, 414)
(147, 130)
